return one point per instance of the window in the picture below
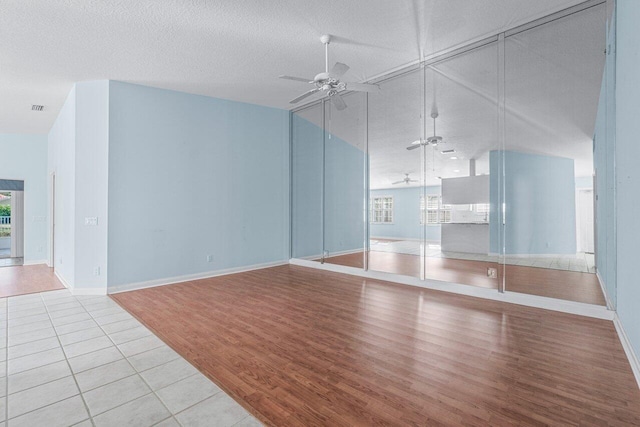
(435, 212)
(382, 210)
(482, 207)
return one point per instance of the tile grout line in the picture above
(128, 361)
(220, 390)
(68, 365)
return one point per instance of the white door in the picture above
(584, 223)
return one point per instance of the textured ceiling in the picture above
(232, 49)
(552, 84)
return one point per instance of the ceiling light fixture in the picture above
(456, 170)
(448, 151)
(453, 158)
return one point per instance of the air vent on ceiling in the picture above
(448, 151)
(37, 107)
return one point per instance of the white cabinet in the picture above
(470, 238)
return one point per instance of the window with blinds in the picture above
(382, 210)
(434, 212)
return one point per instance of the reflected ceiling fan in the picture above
(432, 140)
(406, 180)
(328, 83)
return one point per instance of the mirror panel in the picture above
(553, 75)
(344, 181)
(306, 183)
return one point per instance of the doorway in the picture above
(11, 222)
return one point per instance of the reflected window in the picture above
(435, 212)
(382, 210)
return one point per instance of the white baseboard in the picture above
(62, 280)
(603, 288)
(535, 301)
(332, 254)
(35, 262)
(528, 255)
(628, 348)
(188, 277)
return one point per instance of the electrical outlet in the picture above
(96, 271)
(40, 249)
(209, 258)
(492, 273)
(92, 221)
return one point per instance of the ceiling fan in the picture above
(406, 180)
(432, 140)
(328, 83)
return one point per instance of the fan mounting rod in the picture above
(326, 39)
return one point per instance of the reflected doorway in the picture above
(11, 222)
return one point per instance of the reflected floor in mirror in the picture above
(581, 262)
(546, 282)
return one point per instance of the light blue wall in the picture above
(343, 187)
(344, 196)
(604, 163)
(62, 155)
(539, 192)
(24, 157)
(406, 215)
(91, 171)
(191, 176)
(627, 154)
(306, 186)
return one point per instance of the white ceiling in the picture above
(552, 86)
(232, 49)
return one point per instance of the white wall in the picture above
(24, 157)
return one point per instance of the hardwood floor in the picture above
(27, 280)
(305, 347)
(561, 284)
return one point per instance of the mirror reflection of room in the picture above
(479, 166)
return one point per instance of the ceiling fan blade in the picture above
(339, 69)
(413, 180)
(297, 79)
(413, 147)
(362, 87)
(397, 182)
(338, 102)
(304, 95)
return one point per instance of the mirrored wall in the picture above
(475, 167)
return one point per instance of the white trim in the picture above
(402, 239)
(188, 277)
(603, 288)
(628, 348)
(531, 255)
(563, 306)
(35, 262)
(331, 254)
(62, 280)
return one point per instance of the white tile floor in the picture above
(580, 262)
(84, 361)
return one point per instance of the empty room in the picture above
(340, 213)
